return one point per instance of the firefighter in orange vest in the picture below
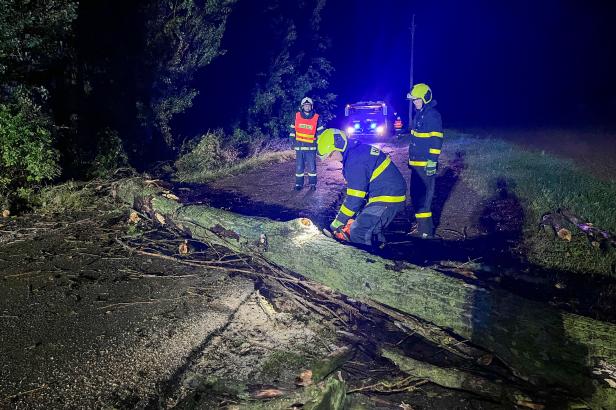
(398, 124)
(305, 130)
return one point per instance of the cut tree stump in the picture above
(542, 345)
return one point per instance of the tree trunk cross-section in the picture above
(543, 345)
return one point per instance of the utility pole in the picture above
(410, 124)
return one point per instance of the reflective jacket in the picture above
(372, 178)
(305, 129)
(427, 136)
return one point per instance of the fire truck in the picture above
(366, 118)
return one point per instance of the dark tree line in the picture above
(88, 86)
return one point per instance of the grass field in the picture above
(543, 182)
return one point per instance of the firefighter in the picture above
(398, 125)
(305, 130)
(424, 150)
(376, 190)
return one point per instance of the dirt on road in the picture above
(92, 317)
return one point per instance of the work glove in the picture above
(431, 168)
(336, 226)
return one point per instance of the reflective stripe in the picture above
(291, 134)
(379, 170)
(435, 151)
(299, 175)
(427, 134)
(346, 211)
(320, 128)
(424, 215)
(292, 126)
(387, 198)
(312, 175)
(418, 163)
(356, 192)
(304, 137)
(305, 148)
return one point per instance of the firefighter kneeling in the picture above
(376, 190)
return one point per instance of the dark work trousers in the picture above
(422, 193)
(372, 220)
(305, 161)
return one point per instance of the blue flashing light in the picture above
(356, 125)
(373, 125)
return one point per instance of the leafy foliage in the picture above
(32, 35)
(110, 154)
(205, 154)
(215, 155)
(27, 156)
(296, 71)
(182, 36)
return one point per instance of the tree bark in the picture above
(455, 378)
(541, 344)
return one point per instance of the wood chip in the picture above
(305, 221)
(611, 382)
(134, 217)
(160, 218)
(268, 393)
(171, 196)
(304, 378)
(183, 248)
(564, 234)
(6, 213)
(530, 405)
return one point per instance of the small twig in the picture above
(23, 393)
(142, 302)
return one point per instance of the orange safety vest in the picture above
(306, 128)
(398, 124)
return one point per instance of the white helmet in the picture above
(306, 100)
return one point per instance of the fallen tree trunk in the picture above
(543, 345)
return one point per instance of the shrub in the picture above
(110, 154)
(27, 156)
(205, 154)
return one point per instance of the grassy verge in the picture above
(204, 174)
(543, 183)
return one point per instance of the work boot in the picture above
(298, 187)
(313, 187)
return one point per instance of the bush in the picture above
(110, 154)
(214, 155)
(67, 197)
(205, 154)
(27, 156)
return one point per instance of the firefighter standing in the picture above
(305, 130)
(424, 149)
(375, 188)
(398, 125)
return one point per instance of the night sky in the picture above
(490, 63)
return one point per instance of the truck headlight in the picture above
(373, 125)
(350, 130)
(380, 130)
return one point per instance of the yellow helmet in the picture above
(421, 92)
(331, 140)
